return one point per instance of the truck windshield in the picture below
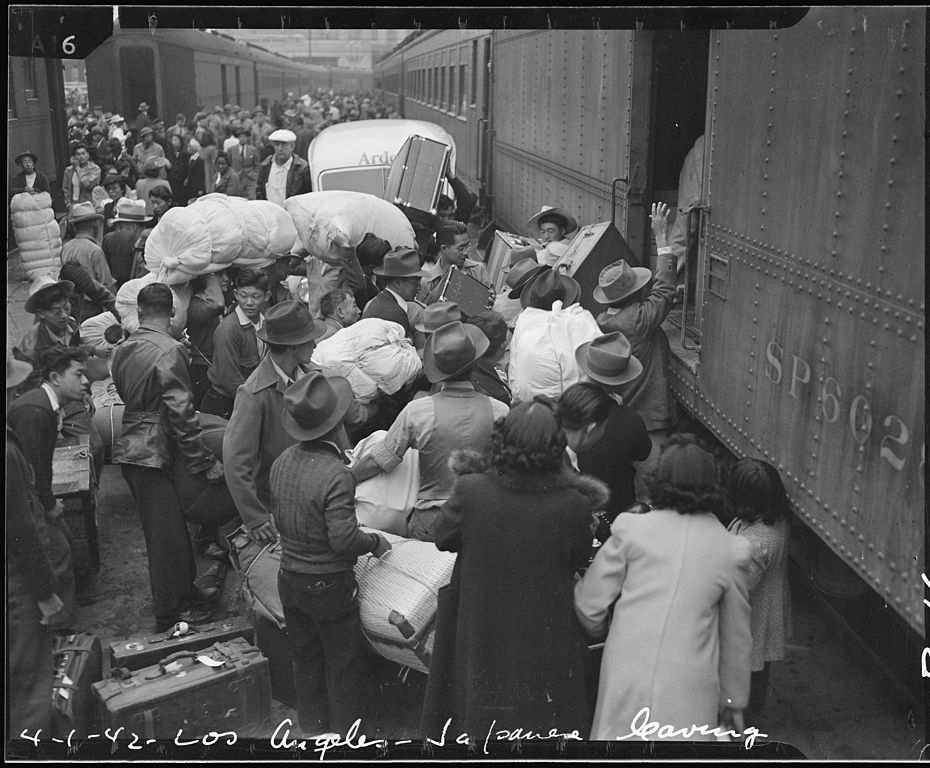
(370, 179)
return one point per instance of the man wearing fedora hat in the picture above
(608, 363)
(32, 586)
(313, 504)
(489, 377)
(639, 317)
(152, 377)
(79, 179)
(455, 417)
(29, 179)
(400, 276)
(432, 318)
(83, 247)
(142, 119)
(556, 229)
(522, 271)
(255, 436)
(284, 174)
(243, 157)
(119, 245)
(146, 149)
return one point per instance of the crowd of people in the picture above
(575, 515)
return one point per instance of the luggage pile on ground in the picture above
(330, 224)
(216, 232)
(373, 354)
(37, 233)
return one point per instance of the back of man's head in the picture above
(155, 300)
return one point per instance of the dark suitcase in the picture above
(145, 650)
(272, 640)
(221, 688)
(415, 179)
(502, 246)
(78, 664)
(471, 295)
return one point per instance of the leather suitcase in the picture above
(78, 664)
(415, 179)
(272, 641)
(221, 688)
(144, 650)
(593, 248)
(398, 596)
(503, 244)
(471, 295)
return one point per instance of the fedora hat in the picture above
(243, 129)
(521, 274)
(549, 287)
(493, 325)
(112, 178)
(619, 280)
(452, 349)
(147, 131)
(315, 404)
(41, 285)
(28, 153)
(282, 134)
(143, 105)
(154, 163)
(289, 323)
(130, 210)
(570, 223)
(437, 315)
(114, 119)
(607, 359)
(83, 212)
(401, 262)
(16, 371)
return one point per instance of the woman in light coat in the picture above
(678, 646)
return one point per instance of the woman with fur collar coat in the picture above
(508, 651)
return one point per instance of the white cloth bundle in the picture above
(93, 329)
(542, 351)
(215, 232)
(37, 233)
(383, 502)
(128, 309)
(373, 354)
(330, 222)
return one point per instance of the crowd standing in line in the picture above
(530, 467)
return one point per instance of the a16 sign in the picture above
(58, 32)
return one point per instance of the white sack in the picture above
(128, 309)
(37, 233)
(383, 502)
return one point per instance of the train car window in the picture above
(463, 97)
(474, 72)
(223, 84)
(29, 79)
(453, 101)
(10, 101)
(238, 85)
(442, 88)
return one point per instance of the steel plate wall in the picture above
(562, 123)
(815, 359)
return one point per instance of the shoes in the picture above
(202, 596)
(191, 616)
(213, 551)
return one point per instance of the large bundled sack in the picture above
(214, 233)
(37, 233)
(384, 501)
(373, 354)
(258, 566)
(129, 310)
(542, 351)
(331, 223)
(402, 584)
(94, 331)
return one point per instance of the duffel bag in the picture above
(78, 664)
(258, 566)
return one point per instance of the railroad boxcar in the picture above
(801, 339)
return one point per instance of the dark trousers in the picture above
(29, 669)
(167, 543)
(217, 403)
(324, 630)
(758, 688)
(199, 384)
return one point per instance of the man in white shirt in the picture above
(282, 175)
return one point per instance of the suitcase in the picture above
(78, 664)
(472, 296)
(399, 593)
(145, 650)
(502, 246)
(593, 248)
(415, 180)
(221, 688)
(272, 641)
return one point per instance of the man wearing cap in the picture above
(80, 178)
(339, 311)
(33, 604)
(119, 245)
(243, 158)
(400, 276)
(29, 179)
(608, 361)
(556, 228)
(255, 436)
(313, 505)
(148, 148)
(456, 417)
(142, 119)
(151, 374)
(83, 247)
(284, 174)
(639, 317)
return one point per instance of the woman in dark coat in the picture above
(196, 183)
(177, 174)
(508, 651)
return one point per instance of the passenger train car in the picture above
(183, 70)
(802, 336)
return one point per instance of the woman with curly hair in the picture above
(508, 651)
(678, 646)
